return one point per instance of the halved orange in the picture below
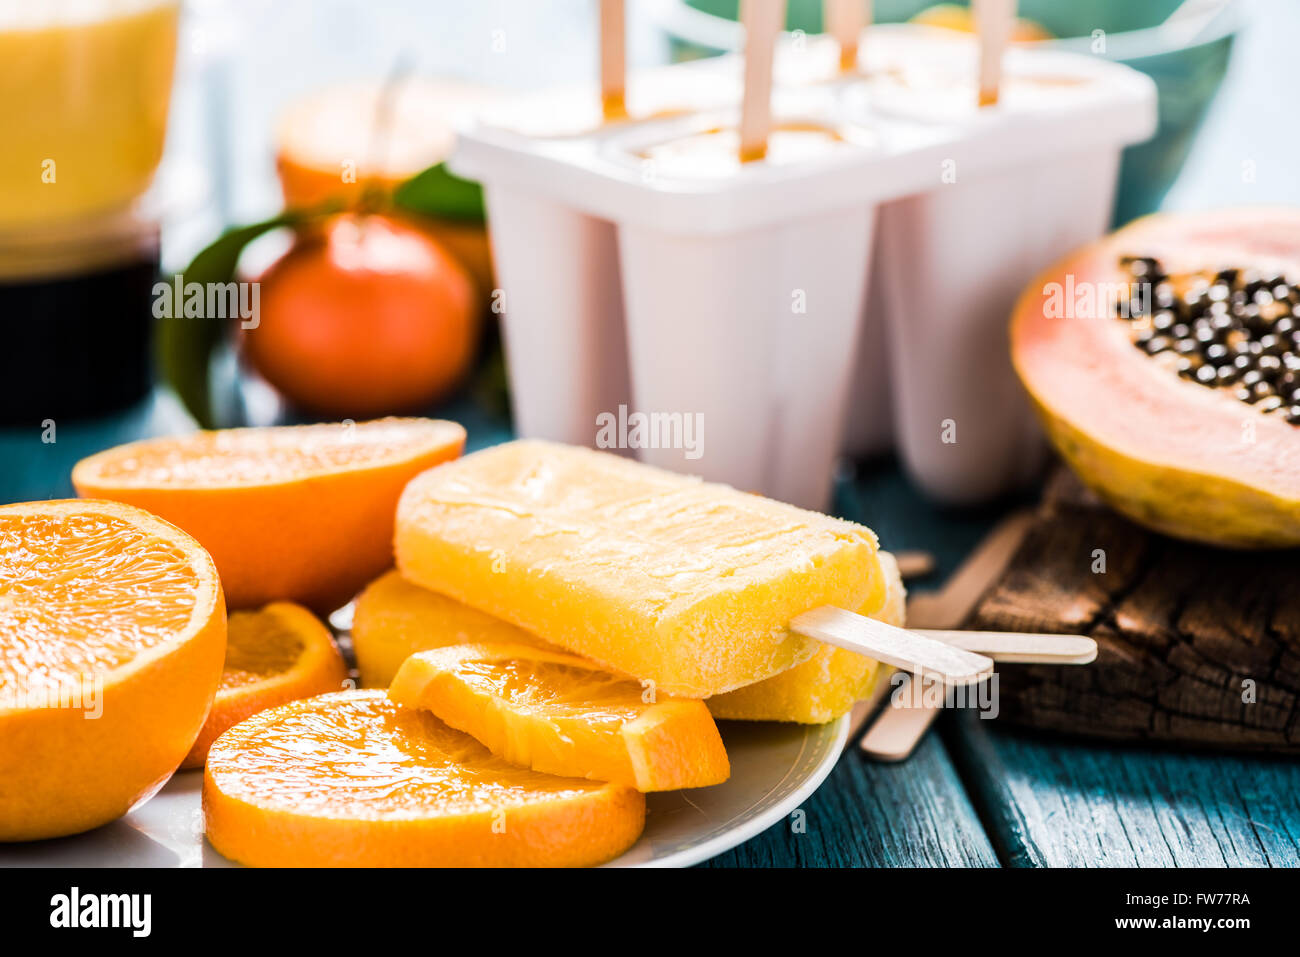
(562, 714)
(351, 779)
(112, 630)
(394, 619)
(295, 513)
(278, 654)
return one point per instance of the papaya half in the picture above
(1164, 362)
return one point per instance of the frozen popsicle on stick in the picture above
(845, 20)
(763, 20)
(695, 587)
(993, 23)
(613, 60)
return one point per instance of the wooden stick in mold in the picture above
(613, 59)
(993, 22)
(845, 21)
(763, 20)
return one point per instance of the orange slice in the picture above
(297, 513)
(559, 713)
(279, 654)
(351, 779)
(394, 619)
(112, 629)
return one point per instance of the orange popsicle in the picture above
(657, 575)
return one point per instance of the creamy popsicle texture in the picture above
(658, 575)
(825, 686)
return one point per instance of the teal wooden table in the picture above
(974, 794)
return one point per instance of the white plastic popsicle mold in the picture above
(964, 428)
(951, 261)
(763, 358)
(869, 419)
(748, 299)
(562, 325)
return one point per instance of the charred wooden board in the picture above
(1196, 646)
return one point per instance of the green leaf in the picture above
(185, 345)
(441, 193)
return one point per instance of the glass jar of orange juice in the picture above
(84, 92)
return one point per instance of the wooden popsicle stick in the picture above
(894, 646)
(613, 59)
(763, 20)
(1013, 647)
(895, 734)
(898, 729)
(867, 16)
(866, 709)
(901, 733)
(993, 20)
(845, 20)
(952, 604)
(913, 564)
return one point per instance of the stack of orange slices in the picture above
(489, 747)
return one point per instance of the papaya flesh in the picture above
(1177, 456)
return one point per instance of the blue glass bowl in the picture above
(1187, 66)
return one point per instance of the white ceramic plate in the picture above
(774, 767)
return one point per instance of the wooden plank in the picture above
(1052, 802)
(876, 815)
(1197, 646)
(1177, 626)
